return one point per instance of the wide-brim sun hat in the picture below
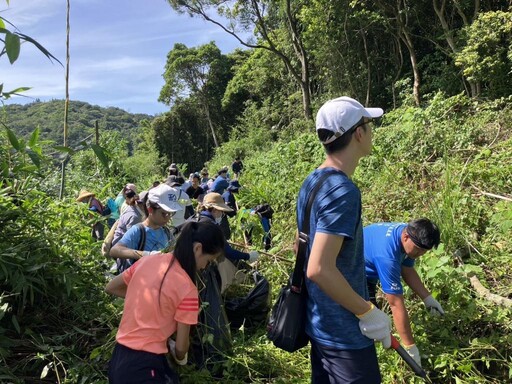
(131, 186)
(84, 194)
(215, 200)
(166, 197)
(341, 114)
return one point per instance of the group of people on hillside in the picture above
(344, 265)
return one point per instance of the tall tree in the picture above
(179, 135)
(264, 18)
(189, 71)
(401, 22)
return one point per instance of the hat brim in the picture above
(84, 196)
(374, 113)
(171, 207)
(221, 207)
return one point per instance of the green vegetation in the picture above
(82, 117)
(443, 150)
(423, 165)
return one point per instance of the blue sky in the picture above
(118, 50)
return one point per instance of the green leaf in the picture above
(35, 158)
(13, 139)
(34, 138)
(95, 353)
(40, 47)
(2, 24)
(100, 153)
(12, 46)
(15, 323)
(16, 91)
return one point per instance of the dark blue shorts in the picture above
(129, 366)
(334, 366)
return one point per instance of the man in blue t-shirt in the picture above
(342, 324)
(390, 251)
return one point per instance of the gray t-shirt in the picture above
(130, 217)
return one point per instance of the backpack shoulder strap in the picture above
(167, 232)
(142, 238)
(297, 280)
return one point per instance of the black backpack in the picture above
(264, 210)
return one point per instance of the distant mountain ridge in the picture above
(49, 116)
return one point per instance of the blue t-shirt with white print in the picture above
(385, 256)
(335, 211)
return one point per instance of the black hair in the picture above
(341, 142)
(207, 234)
(423, 233)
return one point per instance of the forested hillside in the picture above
(443, 150)
(82, 117)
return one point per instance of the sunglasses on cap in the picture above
(129, 194)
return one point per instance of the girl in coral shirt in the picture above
(161, 300)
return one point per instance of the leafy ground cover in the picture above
(450, 161)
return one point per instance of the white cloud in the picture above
(24, 13)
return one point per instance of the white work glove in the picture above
(147, 253)
(253, 256)
(413, 351)
(433, 306)
(376, 325)
(172, 349)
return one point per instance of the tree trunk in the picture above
(301, 54)
(414, 63)
(207, 114)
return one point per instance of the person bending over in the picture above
(161, 300)
(390, 251)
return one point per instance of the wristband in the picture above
(368, 311)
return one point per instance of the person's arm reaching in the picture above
(412, 279)
(401, 318)
(182, 343)
(120, 251)
(117, 286)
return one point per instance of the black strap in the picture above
(298, 270)
(142, 239)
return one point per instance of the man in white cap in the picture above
(342, 323)
(162, 204)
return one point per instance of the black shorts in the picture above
(334, 366)
(129, 366)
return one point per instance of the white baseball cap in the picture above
(166, 197)
(341, 114)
